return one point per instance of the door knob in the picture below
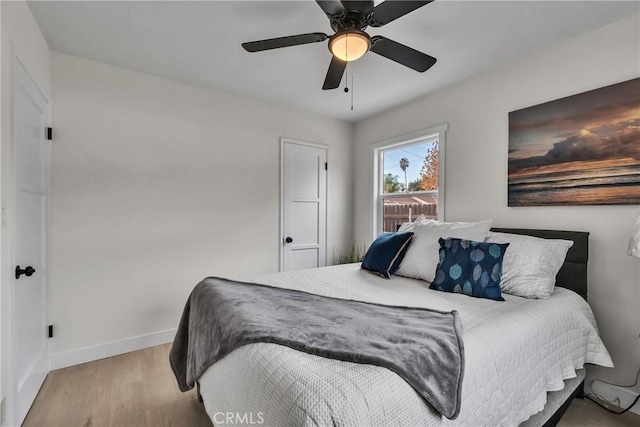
(27, 271)
(288, 240)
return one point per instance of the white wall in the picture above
(476, 166)
(158, 184)
(19, 32)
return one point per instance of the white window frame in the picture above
(436, 132)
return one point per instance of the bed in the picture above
(525, 358)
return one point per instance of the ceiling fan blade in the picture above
(279, 42)
(402, 54)
(390, 10)
(334, 74)
(331, 7)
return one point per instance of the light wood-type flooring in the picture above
(138, 389)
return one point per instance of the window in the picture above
(408, 179)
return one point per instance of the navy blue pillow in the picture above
(471, 268)
(386, 253)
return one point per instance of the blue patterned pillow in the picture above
(471, 268)
(386, 253)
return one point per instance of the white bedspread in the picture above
(516, 351)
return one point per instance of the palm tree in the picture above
(404, 164)
(391, 184)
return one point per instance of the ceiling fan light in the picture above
(350, 45)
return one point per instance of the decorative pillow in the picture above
(386, 252)
(531, 264)
(408, 226)
(422, 257)
(471, 268)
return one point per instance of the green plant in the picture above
(354, 254)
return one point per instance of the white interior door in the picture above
(31, 188)
(304, 205)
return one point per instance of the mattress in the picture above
(516, 352)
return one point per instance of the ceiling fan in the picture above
(349, 19)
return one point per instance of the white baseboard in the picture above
(611, 392)
(113, 348)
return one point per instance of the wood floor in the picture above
(138, 389)
(131, 390)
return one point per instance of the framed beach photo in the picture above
(579, 150)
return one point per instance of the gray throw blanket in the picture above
(423, 346)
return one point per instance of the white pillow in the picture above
(408, 226)
(530, 264)
(422, 257)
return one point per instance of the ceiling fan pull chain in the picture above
(346, 77)
(351, 90)
(346, 48)
(348, 68)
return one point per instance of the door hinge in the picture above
(326, 166)
(50, 331)
(49, 133)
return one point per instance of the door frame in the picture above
(11, 222)
(283, 141)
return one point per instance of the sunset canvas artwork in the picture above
(579, 150)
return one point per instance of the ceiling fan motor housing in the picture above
(356, 15)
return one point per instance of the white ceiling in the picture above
(199, 43)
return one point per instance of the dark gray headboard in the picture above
(573, 274)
